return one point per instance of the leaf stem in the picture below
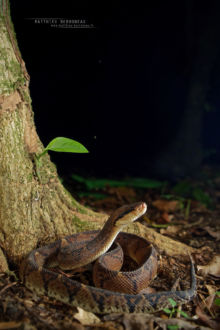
(37, 164)
(43, 153)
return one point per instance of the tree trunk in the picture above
(34, 207)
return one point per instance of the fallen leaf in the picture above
(206, 318)
(167, 217)
(166, 206)
(106, 204)
(28, 303)
(212, 268)
(197, 207)
(138, 321)
(171, 230)
(86, 318)
(123, 193)
(10, 325)
(149, 321)
(211, 289)
(209, 300)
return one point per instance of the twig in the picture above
(8, 286)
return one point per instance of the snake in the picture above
(74, 251)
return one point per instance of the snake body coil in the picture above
(86, 247)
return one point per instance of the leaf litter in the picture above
(190, 216)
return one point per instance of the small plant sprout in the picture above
(217, 300)
(172, 327)
(170, 312)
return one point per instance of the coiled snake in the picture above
(80, 249)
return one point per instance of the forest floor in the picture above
(188, 211)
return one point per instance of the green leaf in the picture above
(168, 196)
(62, 144)
(187, 190)
(131, 182)
(167, 310)
(217, 301)
(172, 302)
(94, 195)
(182, 188)
(201, 197)
(172, 327)
(184, 314)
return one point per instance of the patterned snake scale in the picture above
(88, 246)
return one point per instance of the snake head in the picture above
(128, 214)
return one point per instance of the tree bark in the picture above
(34, 207)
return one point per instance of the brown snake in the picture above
(79, 249)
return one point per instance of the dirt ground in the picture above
(188, 212)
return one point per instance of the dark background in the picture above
(119, 88)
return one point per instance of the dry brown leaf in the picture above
(212, 268)
(209, 300)
(86, 318)
(149, 321)
(171, 230)
(197, 207)
(166, 206)
(166, 217)
(138, 321)
(28, 303)
(205, 318)
(211, 289)
(106, 204)
(10, 325)
(123, 193)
